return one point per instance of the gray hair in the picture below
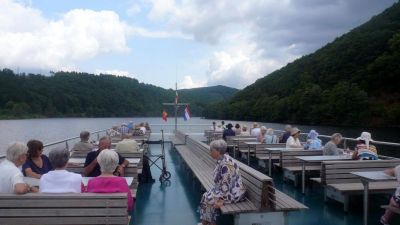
(108, 161)
(336, 136)
(263, 128)
(288, 127)
(59, 157)
(84, 135)
(15, 150)
(219, 145)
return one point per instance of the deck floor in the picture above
(176, 203)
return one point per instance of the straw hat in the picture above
(294, 131)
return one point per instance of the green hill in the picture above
(72, 94)
(352, 81)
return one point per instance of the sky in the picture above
(194, 42)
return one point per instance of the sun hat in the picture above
(365, 136)
(294, 131)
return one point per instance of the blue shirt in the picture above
(313, 144)
(228, 132)
(92, 156)
(46, 167)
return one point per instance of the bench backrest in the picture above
(256, 183)
(288, 158)
(340, 171)
(85, 208)
(260, 149)
(229, 140)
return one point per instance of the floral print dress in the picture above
(228, 186)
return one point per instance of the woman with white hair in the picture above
(228, 186)
(364, 150)
(107, 182)
(60, 180)
(12, 180)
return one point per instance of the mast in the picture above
(176, 107)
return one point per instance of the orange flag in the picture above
(164, 115)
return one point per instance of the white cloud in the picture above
(271, 33)
(143, 32)
(133, 10)
(189, 83)
(29, 40)
(122, 73)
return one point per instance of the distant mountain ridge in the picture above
(353, 80)
(73, 94)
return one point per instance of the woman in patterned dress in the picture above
(228, 186)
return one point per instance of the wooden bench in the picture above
(179, 138)
(51, 209)
(262, 197)
(340, 184)
(292, 167)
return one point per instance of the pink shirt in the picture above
(110, 185)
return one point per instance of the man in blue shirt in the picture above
(92, 168)
(228, 131)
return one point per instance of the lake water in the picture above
(51, 130)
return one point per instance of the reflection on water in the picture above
(50, 130)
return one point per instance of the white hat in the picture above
(365, 136)
(294, 131)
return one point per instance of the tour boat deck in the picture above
(176, 204)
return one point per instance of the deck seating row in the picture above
(262, 197)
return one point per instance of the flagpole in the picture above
(176, 108)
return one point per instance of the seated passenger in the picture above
(244, 131)
(255, 131)
(12, 180)
(364, 150)
(147, 126)
(214, 126)
(270, 137)
(137, 131)
(286, 135)
(60, 180)
(106, 182)
(36, 163)
(92, 168)
(228, 131)
(293, 141)
(261, 135)
(83, 145)
(395, 199)
(237, 129)
(228, 186)
(143, 128)
(331, 148)
(219, 128)
(313, 142)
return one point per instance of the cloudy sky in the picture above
(197, 42)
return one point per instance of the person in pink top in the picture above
(107, 182)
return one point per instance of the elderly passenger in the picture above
(107, 182)
(60, 180)
(237, 129)
(261, 135)
(147, 126)
(331, 148)
(255, 131)
(364, 150)
(143, 128)
(12, 180)
(313, 142)
(36, 163)
(294, 140)
(286, 135)
(228, 132)
(244, 132)
(92, 168)
(83, 145)
(395, 199)
(228, 186)
(137, 131)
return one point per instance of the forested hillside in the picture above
(352, 81)
(71, 94)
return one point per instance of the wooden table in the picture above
(319, 158)
(238, 139)
(35, 182)
(366, 178)
(276, 150)
(254, 144)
